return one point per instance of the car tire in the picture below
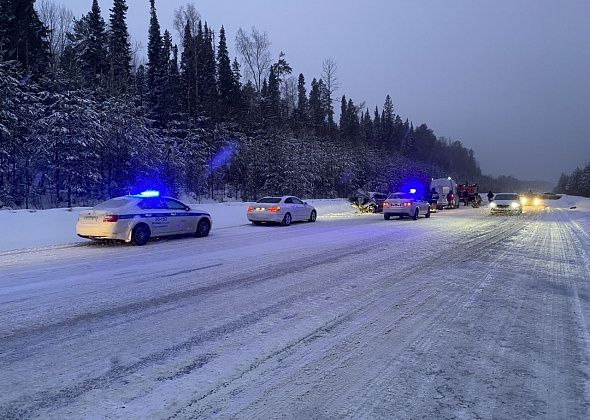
(286, 220)
(427, 215)
(416, 214)
(140, 234)
(386, 216)
(373, 209)
(203, 228)
(313, 216)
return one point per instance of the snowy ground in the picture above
(462, 315)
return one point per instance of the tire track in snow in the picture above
(476, 247)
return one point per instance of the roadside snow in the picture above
(29, 229)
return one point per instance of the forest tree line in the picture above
(82, 118)
(576, 183)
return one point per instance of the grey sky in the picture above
(510, 78)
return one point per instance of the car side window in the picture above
(174, 205)
(297, 201)
(151, 204)
(289, 200)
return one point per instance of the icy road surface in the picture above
(463, 315)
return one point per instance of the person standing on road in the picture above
(451, 199)
(490, 196)
(465, 197)
(433, 198)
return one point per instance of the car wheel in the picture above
(386, 216)
(416, 213)
(286, 220)
(140, 235)
(313, 216)
(203, 228)
(372, 209)
(427, 215)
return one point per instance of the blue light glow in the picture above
(149, 193)
(413, 191)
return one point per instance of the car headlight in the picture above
(515, 205)
(492, 204)
(523, 201)
(536, 202)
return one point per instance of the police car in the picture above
(137, 218)
(405, 205)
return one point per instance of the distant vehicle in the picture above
(531, 199)
(550, 196)
(506, 203)
(405, 205)
(443, 186)
(370, 202)
(137, 218)
(283, 210)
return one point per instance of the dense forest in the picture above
(576, 183)
(84, 117)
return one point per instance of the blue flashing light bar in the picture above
(149, 193)
(413, 191)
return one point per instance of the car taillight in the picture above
(111, 218)
(274, 209)
(406, 204)
(250, 209)
(386, 204)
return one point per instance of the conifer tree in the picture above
(387, 124)
(302, 105)
(94, 55)
(274, 96)
(119, 49)
(188, 73)
(315, 106)
(23, 37)
(225, 77)
(344, 132)
(155, 67)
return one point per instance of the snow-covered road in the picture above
(462, 315)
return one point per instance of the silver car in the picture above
(283, 210)
(137, 218)
(405, 205)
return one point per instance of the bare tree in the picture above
(289, 93)
(59, 20)
(254, 49)
(330, 78)
(137, 56)
(186, 14)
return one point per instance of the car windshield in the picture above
(269, 200)
(112, 203)
(507, 197)
(398, 196)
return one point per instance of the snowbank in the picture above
(22, 229)
(568, 201)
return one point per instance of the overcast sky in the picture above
(509, 78)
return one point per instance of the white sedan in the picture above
(405, 205)
(283, 210)
(137, 218)
(506, 203)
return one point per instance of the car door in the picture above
(155, 214)
(290, 207)
(301, 209)
(180, 220)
